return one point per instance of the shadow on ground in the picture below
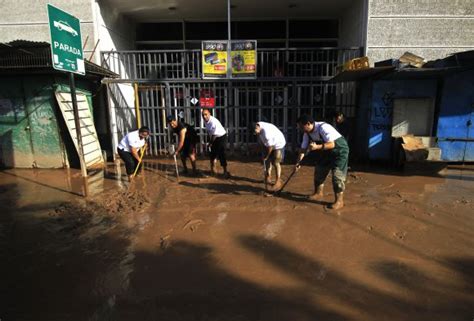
(75, 260)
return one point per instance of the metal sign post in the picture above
(229, 37)
(67, 55)
(229, 59)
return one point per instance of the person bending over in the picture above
(187, 140)
(274, 143)
(129, 147)
(334, 155)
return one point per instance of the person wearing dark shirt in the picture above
(342, 125)
(187, 140)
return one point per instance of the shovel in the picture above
(136, 168)
(140, 160)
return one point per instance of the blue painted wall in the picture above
(359, 149)
(381, 111)
(456, 113)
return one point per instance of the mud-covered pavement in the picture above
(215, 249)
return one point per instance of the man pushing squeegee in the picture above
(334, 153)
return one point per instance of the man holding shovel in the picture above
(217, 141)
(334, 155)
(187, 140)
(129, 147)
(274, 143)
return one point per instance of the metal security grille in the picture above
(186, 64)
(290, 82)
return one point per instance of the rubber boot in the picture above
(195, 172)
(226, 173)
(318, 193)
(339, 203)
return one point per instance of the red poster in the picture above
(206, 98)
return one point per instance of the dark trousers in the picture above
(130, 161)
(335, 161)
(218, 150)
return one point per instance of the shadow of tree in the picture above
(222, 188)
(60, 261)
(247, 179)
(426, 299)
(242, 189)
(185, 282)
(441, 300)
(80, 264)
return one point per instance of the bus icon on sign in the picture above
(63, 25)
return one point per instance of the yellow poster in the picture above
(242, 61)
(214, 59)
(244, 58)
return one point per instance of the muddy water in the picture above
(207, 248)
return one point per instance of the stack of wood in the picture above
(354, 64)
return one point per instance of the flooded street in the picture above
(214, 249)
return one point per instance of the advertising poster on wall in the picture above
(242, 62)
(206, 98)
(214, 59)
(244, 59)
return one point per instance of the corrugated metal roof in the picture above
(355, 75)
(422, 73)
(390, 73)
(24, 55)
(455, 63)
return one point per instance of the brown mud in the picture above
(208, 248)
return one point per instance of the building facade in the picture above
(155, 47)
(384, 28)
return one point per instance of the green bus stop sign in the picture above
(66, 43)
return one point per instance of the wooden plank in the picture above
(92, 150)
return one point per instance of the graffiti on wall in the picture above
(381, 119)
(383, 109)
(11, 109)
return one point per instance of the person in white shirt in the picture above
(274, 143)
(217, 141)
(129, 147)
(334, 156)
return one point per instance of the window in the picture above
(269, 34)
(159, 31)
(206, 30)
(314, 29)
(259, 30)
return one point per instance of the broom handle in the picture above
(288, 180)
(140, 161)
(176, 166)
